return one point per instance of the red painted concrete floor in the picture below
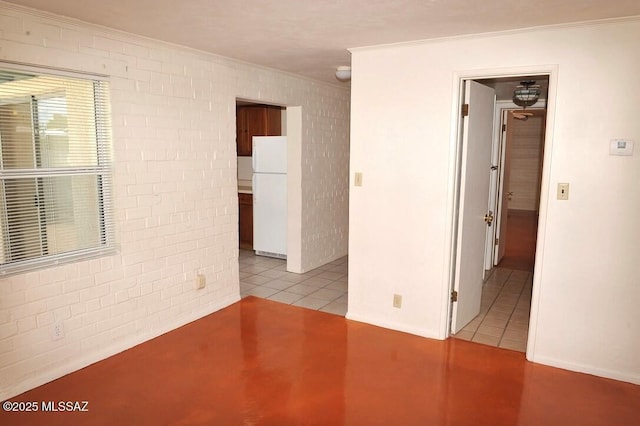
(260, 362)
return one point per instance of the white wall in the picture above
(175, 194)
(586, 290)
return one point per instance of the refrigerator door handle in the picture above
(254, 157)
(254, 187)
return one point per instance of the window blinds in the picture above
(55, 170)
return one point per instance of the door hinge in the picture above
(504, 127)
(454, 296)
(465, 110)
(497, 241)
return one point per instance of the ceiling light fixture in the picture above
(526, 94)
(343, 73)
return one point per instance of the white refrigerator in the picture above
(270, 196)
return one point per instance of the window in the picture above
(55, 170)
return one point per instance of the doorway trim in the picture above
(454, 183)
(294, 189)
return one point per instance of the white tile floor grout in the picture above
(504, 313)
(323, 289)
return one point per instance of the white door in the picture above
(503, 206)
(474, 199)
(494, 193)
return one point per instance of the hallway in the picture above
(504, 311)
(506, 295)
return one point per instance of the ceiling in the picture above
(311, 37)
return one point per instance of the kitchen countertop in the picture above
(245, 186)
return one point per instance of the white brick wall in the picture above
(175, 194)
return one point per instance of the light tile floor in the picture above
(504, 312)
(323, 289)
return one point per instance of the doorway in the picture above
(291, 127)
(518, 190)
(501, 315)
(252, 119)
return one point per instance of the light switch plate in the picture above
(563, 191)
(358, 179)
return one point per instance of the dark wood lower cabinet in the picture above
(245, 204)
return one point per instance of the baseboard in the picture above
(589, 369)
(521, 212)
(418, 331)
(104, 353)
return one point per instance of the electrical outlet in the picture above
(201, 281)
(397, 301)
(57, 330)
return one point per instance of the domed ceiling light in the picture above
(343, 73)
(526, 94)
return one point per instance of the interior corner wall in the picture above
(325, 178)
(584, 315)
(175, 191)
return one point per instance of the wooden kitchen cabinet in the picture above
(255, 120)
(245, 205)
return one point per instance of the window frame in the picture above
(103, 171)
